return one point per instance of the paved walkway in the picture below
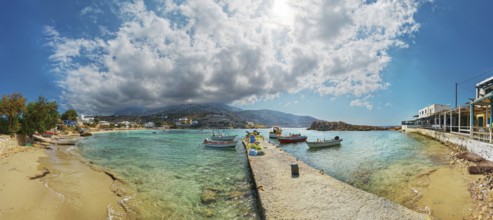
(314, 195)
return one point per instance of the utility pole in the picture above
(455, 95)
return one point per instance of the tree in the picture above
(12, 107)
(40, 116)
(70, 114)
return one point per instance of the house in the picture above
(150, 124)
(86, 119)
(70, 123)
(432, 109)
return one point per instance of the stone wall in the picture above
(483, 149)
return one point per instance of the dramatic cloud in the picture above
(237, 51)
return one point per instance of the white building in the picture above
(484, 87)
(432, 109)
(150, 124)
(86, 119)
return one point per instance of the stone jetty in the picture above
(313, 194)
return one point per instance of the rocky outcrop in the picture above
(342, 126)
(469, 156)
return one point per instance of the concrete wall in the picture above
(483, 149)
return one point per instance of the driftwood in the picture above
(45, 172)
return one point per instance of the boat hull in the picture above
(223, 138)
(318, 144)
(219, 144)
(287, 140)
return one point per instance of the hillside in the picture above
(271, 118)
(212, 115)
(342, 126)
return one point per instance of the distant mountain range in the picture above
(229, 116)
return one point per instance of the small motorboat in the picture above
(324, 143)
(222, 137)
(275, 133)
(219, 144)
(292, 138)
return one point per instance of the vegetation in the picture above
(40, 116)
(11, 108)
(70, 114)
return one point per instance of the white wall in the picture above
(483, 149)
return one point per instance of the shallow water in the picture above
(173, 174)
(174, 177)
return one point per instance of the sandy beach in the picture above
(51, 184)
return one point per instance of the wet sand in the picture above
(444, 192)
(71, 189)
(446, 195)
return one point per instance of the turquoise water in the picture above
(175, 178)
(377, 161)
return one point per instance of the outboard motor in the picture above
(336, 138)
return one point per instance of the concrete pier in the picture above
(312, 194)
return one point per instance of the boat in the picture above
(275, 133)
(59, 141)
(222, 137)
(324, 143)
(219, 144)
(292, 138)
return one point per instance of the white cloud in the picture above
(238, 51)
(365, 102)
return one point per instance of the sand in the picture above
(446, 194)
(71, 189)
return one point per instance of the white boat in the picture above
(275, 133)
(324, 143)
(219, 144)
(222, 137)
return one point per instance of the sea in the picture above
(175, 177)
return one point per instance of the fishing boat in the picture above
(275, 133)
(292, 138)
(222, 137)
(324, 143)
(219, 144)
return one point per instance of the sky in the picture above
(374, 62)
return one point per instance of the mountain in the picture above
(271, 118)
(216, 115)
(177, 109)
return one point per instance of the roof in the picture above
(486, 82)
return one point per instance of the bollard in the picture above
(294, 170)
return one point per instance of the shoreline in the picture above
(55, 184)
(73, 183)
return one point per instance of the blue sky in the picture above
(363, 62)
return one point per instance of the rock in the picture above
(470, 157)
(481, 168)
(208, 197)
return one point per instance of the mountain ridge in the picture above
(231, 116)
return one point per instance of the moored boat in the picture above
(219, 144)
(222, 137)
(293, 138)
(275, 133)
(324, 143)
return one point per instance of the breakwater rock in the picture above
(343, 126)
